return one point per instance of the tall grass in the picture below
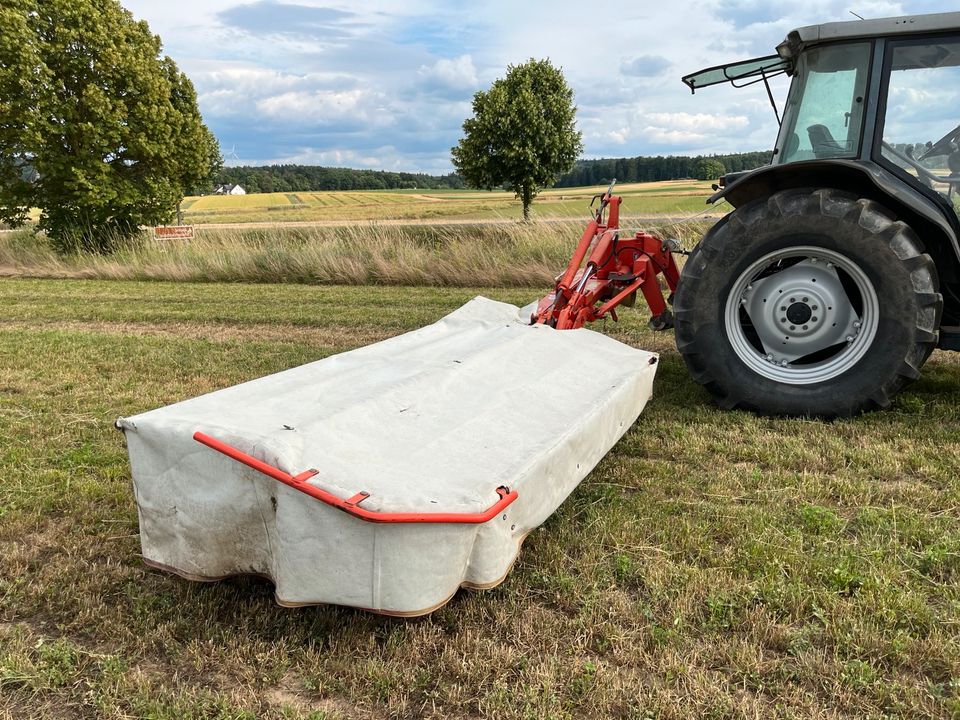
(504, 255)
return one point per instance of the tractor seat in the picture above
(822, 142)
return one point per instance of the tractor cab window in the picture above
(824, 111)
(921, 130)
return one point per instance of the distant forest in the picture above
(647, 169)
(300, 178)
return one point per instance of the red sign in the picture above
(173, 232)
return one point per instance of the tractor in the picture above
(837, 273)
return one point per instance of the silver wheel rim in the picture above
(802, 315)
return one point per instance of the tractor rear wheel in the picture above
(807, 302)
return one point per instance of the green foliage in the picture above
(819, 520)
(315, 178)
(655, 169)
(522, 133)
(214, 166)
(109, 129)
(708, 169)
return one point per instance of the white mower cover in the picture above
(433, 421)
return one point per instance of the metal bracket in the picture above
(351, 506)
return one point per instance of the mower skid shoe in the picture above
(389, 476)
(663, 321)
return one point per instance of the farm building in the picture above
(229, 190)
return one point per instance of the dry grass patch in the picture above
(512, 255)
(670, 197)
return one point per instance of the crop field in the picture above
(681, 197)
(714, 564)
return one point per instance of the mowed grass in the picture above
(715, 564)
(679, 197)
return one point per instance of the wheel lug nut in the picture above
(815, 307)
(793, 300)
(814, 318)
(858, 324)
(793, 327)
(849, 338)
(783, 308)
(783, 363)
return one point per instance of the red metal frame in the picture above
(351, 506)
(615, 270)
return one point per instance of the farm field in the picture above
(673, 198)
(714, 564)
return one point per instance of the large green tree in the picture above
(522, 134)
(707, 168)
(97, 129)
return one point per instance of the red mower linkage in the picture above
(615, 270)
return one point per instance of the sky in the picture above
(385, 84)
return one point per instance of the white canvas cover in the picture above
(431, 421)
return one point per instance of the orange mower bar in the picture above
(351, 506)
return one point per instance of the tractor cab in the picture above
(874, 91)
(892, 100)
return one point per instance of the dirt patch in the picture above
(285, 697)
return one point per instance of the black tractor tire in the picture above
(907, 303)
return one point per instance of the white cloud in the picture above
(390, 83)
(619, 136)
(319, 105)
(644, 65)
(458, 74)
(309, 156)
(667, 136)
(699, 123)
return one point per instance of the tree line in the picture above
(669, 167)
(306, 178)
(300, 178)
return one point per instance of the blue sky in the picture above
(385, 84)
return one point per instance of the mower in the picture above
(389, 476)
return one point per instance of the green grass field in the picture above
(714, 564)
(680, 197)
